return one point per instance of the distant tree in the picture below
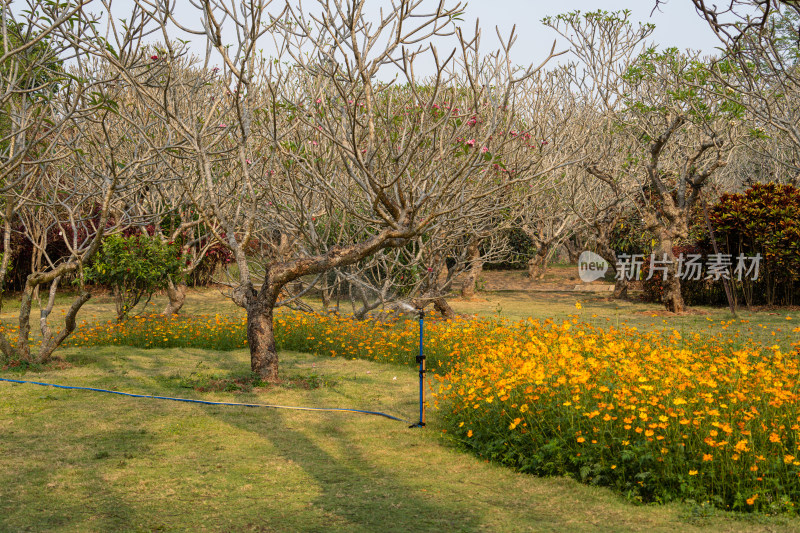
(62, 167)
(736, 20)
(677, 132)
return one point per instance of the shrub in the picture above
(134, 267)
(521, 250)
(763, 220)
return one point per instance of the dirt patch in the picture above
(689, 311)
(557, 279)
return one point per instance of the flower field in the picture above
(322, 335)
(655, 416)
(658, 416)
(216, 332)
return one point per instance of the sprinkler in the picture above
(421, 362)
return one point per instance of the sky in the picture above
(677, 23)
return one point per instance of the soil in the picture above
(556, 279)
(689, 311)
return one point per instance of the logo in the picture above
(591, 267)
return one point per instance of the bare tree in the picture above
(35, 110)
(680, 133)
(72, 203)
(335, 136)
(733, 20)
(66, 157)
(759, 73)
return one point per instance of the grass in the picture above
(80, 461)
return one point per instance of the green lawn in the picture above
(83, 461)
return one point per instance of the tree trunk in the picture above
(261, 337)
(537, 267)
(441, 305)
(606, 252)
(119, 302)
(177, 296)
(621, 289)
(573, 249)
(50, 340)
(23, 337)
(475, 269)
(671, 284)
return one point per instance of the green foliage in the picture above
(35, 66)
(33, 75)
(763, 220)
(786, 28)
(692, 90)
(630, 237)
(134, 267)
(521, 250)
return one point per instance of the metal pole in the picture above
(422, 370)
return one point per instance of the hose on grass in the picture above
(205, 402)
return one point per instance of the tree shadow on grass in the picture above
(38, 495)
(355, 491)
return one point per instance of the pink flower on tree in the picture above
(470, 142)
(484, 150)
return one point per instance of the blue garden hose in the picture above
(204, 402)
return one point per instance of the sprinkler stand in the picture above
(421, 361)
